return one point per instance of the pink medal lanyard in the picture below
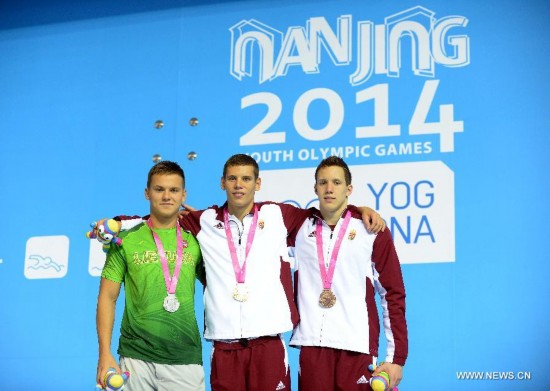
(240, 272)
(326, 276)
(171, 282)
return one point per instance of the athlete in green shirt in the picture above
(160, 344)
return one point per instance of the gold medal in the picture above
(240, 292)
(327, 299)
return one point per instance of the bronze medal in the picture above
(327, 299)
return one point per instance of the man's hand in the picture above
(185, 210)
(103, 365)
(372, 220)
(394, 371)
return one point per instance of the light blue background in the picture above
(82, 84)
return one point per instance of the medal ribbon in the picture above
(326, 276)
(171, 282)
(240, 272)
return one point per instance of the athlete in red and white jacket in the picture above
(339, 322)
(269, 308)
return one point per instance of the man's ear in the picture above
(222, 183)
(146, 194)
(350, 190)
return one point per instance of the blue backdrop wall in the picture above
(440, 108)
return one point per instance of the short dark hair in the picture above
(335, 161)
(165, 167)
(241, 159)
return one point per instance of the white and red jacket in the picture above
(366, 263)
(270, 308)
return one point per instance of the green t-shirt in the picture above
(148, 332)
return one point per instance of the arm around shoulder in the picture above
(374, 223)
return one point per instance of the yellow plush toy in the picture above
(114, 381)
(106, 231)
(380, 382)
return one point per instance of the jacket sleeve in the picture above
(192, 222)
(129, 222)
(294, 218)
(390, 286)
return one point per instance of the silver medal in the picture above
(171, 303)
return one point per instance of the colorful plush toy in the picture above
(380, 382)
(107, 231)
(114, 381)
